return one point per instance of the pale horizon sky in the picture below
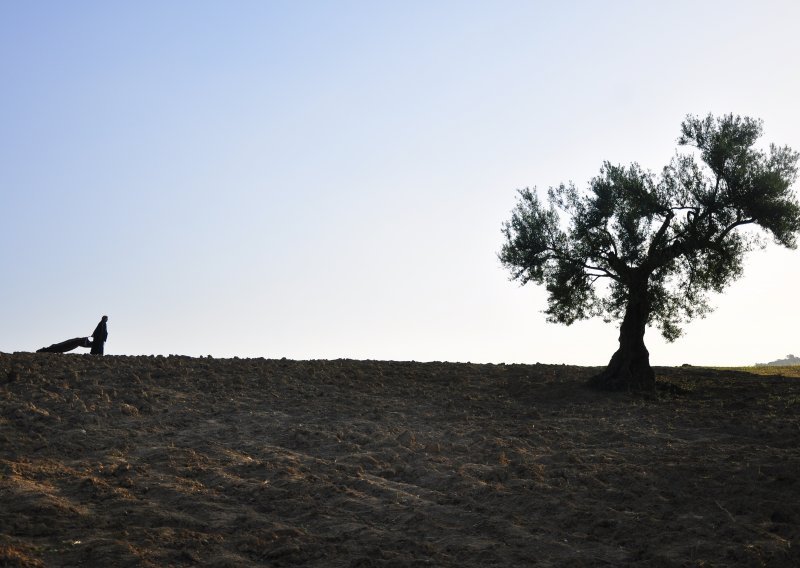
(319, 180)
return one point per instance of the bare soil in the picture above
(178, 461)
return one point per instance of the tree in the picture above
(645, 249)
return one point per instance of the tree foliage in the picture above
(672, 236)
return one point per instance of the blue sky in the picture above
(329, 179)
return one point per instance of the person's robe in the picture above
(99, 336)
(67, 345)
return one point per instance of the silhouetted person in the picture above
(99, 336)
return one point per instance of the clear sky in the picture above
(326, 179)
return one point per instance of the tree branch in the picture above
(562, 256)
(660, 234)
(610, 239)
(731, 227)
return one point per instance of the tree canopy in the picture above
(645, 248)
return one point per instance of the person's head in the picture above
(105, 318)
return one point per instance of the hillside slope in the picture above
(176, 461)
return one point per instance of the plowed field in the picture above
(177, 461)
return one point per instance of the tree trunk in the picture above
(629, 368)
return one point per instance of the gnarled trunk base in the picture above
(629, 369)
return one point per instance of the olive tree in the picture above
(644, 248)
